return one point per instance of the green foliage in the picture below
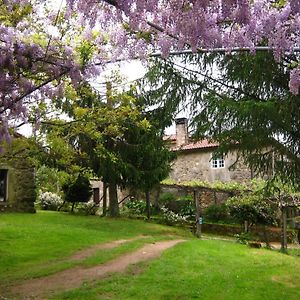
(166, 197)
(216, 212)
(86, 51)
(188, 209)
(15, 15)
(78, 190)
(135, 206)
(49, 179)
(183, 206)
(246, 106)
(115, 138)
(217, 185)
(252, 208)
(244, 238)
(87, 208)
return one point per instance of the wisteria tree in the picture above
(42, 49)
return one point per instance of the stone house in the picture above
(196, 160)
(17, 179)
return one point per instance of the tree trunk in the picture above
(104, 206)
(73, 204)
(61, 206)
(156, 200)
(113, 200)
(246, 226)
(266, 237)
(148, 204)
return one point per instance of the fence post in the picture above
(198, 213)
(283, 230)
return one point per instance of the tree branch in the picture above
(33, 90)
(219, 82)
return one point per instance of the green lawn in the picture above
(35, 245)
(204, 269)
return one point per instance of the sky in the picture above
(130, 70)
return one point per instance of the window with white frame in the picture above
(218, 162)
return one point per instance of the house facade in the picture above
(196, 161)
(17, 180)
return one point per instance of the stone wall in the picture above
(20, 185)
(195, 165)
(208, 196)
(270, 234)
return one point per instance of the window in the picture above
(3, 182)
(217, 162)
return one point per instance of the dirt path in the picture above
(83, 254)
(74, 277)
(277, 245)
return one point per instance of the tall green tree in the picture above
(242, 101)
(148, 159)
(115, 139)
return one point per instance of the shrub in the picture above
(88, 208)
(49, 201)
(77, 191)
(184, 206)
(216, 212)
(252, 208)
(244, 237)
(135, 207)
(188, 209)
(166, 197)
(171, 218)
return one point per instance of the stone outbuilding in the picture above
(17, 178)
(196, 160)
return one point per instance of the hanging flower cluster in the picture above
(167, 25)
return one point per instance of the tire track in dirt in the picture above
(85, 253)
(74, 277)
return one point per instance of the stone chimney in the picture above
(181, 131)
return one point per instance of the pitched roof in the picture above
(203, 144)
(171, 137)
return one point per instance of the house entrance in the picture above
(96, 195)
(3, 185)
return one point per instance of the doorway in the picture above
(3, 185)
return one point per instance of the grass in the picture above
(204, 269)
(103, 256)
(36, 245)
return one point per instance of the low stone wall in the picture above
(208, 196)
(272, 234)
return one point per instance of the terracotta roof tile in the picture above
(171, 137)
(203, 144)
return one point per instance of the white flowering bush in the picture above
(88, 208)
(171, 218)
(49, 201)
